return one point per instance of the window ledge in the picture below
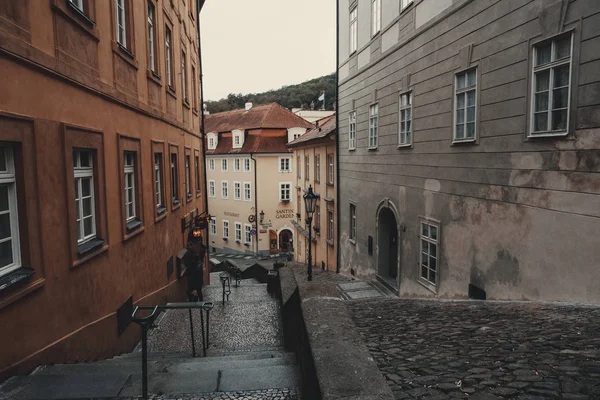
(352, 241)
(124, 54)
(161, 213)
(171, 91)
(195, 111)
(90, 246)
(549, 134)
(153, 77)
(405, 146)
(15, 278)
(10, 297)
(175, 204)
(78, 17)
(189, 197)
(198, 193)
(372, 148)
(464, 141)
(329, 242)
(352, 149)
(427, 285)
(133, 225)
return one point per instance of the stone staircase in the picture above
(245, 359)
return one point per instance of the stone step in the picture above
(213, 354)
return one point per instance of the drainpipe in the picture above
(337, 136)
(256, 221)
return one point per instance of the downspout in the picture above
(337, 130)
(256, 204)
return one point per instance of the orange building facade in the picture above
(101, 158)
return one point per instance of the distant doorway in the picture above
(285, 241)
(272, 242)
(387, 243)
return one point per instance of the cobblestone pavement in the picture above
(483, 350)
(268, 394)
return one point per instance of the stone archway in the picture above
(388, 243)
(285, 240)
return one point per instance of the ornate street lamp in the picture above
(310, 203)
(262, 216)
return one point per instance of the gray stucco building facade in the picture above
(469, 147)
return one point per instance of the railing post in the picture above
(203, 338)
(207, 327)
(144, 361)
(192, 333)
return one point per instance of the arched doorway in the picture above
(387, 244)
(285, 241)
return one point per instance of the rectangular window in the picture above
(404, 4)
(237, 190)
(247, 235)
(151, 38)
(194, 93)
(247, 191)
(429, 252)
(373, 125)
(225, 229)
(405, 119)
(197, 173)
(158, 188)
(318, 168)
(78, 4)
(329, 225)
(213, 226)
(284, 191)
(375, 17)
(246, 165)
(224, 165)
(211, 164)
(330, 162)
(10, 251)
(188, 181)
(236, 140)
(211, 143)
(211, 188)
(224, 189)
(465, 105)
(184, 77)
(317, 219)
(121, 17)
(352, 131)
(352, 222)
(284, 164)
(174, 179)
(307, 166)
(238, 231)
(85, 204)
(168, 56)
(353, 30)
(129, 170)
(551, 86)
(237, 165)
(299, 168)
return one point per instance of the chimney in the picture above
(248, 106)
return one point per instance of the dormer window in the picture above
(213, 141)
(238, 138)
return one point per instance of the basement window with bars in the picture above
(551, 87)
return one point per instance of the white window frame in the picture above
(224, 165)
(375, 17)
(330, 168)
(247, 191)
(429, 240)
(354, 30)
(121, 27)
(551, 66)
(237, 190)
(168, 36)
(464, 92)
(8, 178)
(282, 166)
(224, 190)
(373, 125)
(404, 4)
(184, 76)
(211, 164)
(158, 180)
(353, 222)
(174, 178)
(236, 140)
(318, 168)
(405, 117)
(211, 143)
(237, 165)
(129, 171)
(213, 226)
(211, 188)
(151, 38)
(247, 235)
(238, 231)
(247, 165)
(225, 229)
(81, 173)
(287, 195)
(188, 183)
(78, 4)
(330, 225)
(352, 130)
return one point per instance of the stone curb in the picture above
(343, 365)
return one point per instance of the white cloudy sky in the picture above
(250, 46)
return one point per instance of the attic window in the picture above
(237, 140)
(211, 143)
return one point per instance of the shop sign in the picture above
(229, 214)
(284, 213)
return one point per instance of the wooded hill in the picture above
(293, 96)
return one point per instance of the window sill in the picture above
(195, 111)
(171, 91)
(329, 183)
(20, 291)
(75, 15)
(153, 77)
(198, 193)
(15, 279)
(329, 242)
(549, 134)
(284, 201)
(89, 250)
(161, 213)
(427, 285)
(186, 104)
(464, 141)
(352, 149)
(189, 197)
(405, 146)
(175, 205)
(124, 54)
(352, 241)
(372, 148)
(133, 225)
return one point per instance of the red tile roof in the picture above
(326, 126)
(257, 141)
(265, 116)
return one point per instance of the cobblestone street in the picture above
(483, 350)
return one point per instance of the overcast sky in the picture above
(250, 46)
